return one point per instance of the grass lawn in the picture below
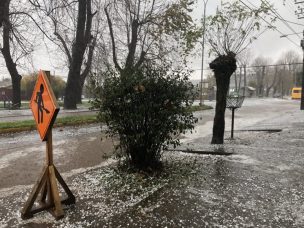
(196, 108)
(25, 125)
(25, 104)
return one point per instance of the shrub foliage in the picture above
(147, 110)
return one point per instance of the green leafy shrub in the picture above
(147, 110)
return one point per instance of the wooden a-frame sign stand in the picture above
(46, 185)
(46, 190)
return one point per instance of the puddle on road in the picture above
(6, 160)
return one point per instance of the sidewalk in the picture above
(260, 185)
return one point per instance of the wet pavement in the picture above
(26, 114)
(259, 185)
(22, 155)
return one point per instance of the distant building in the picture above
(6, 90)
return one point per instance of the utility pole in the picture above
(245, 80)
(300, 14)
(302, 93)
(203, 51)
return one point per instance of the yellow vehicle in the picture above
(296, 93)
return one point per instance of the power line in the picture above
(292, 22)
(291, 10)
(290, 34)
(273, 65)
(277, 15)
(275, 12)
(267, 65)
(269, 24)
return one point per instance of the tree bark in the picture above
(83, 38)
(274, 91)
(131, 64)
(223, 67)
(87, 69)
(3, 4)
(79, 95)
(10, 64)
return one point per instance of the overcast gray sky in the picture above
(269, 44)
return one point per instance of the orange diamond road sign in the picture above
(44, 105)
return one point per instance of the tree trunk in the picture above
(273, 82)
(274, 91)
(223, 67)
(267, 90)
(220, 108)
(86, 71)
(79, 97)
(3, 4)
(10, 64)
(16, 83)
(82, 40)
(71, 90)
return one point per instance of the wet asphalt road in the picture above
(22, 155)
(260, 185)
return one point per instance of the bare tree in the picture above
(71, 23)
(17, 41)
(291, 58)
(230, 31)
(261, 73)
(141, 29)
(244, 59)
(271, 79)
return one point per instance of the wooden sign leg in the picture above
(58, 212)
(43, 194)
(71, 198)
(26, 211)
(46, 185)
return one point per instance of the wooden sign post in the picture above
(45, 109)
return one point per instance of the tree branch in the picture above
(141, 59)
(112, 39)
(89, 61)
(133, 44)
(65, 47)
(35, 22)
